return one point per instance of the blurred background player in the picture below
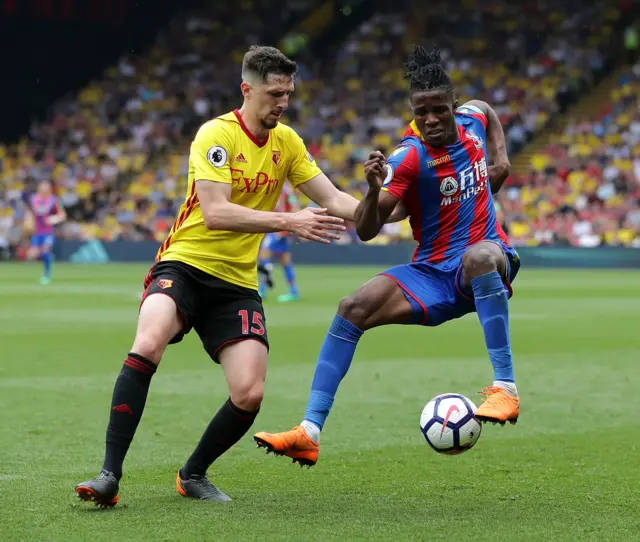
(44, 213)
(444, 171)
(278, 244)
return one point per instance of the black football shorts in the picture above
(221, 313)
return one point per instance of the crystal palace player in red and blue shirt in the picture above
(46, 212)
(443, 172)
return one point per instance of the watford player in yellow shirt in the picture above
(206, 269)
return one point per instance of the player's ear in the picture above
(246, 89)
(455, 104)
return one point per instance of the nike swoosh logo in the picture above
(452, 409)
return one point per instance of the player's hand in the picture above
(315, 224)
(375, 170)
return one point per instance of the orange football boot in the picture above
(295, 444)
(499, 406)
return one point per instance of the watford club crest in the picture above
(275, 156)
(165, 283)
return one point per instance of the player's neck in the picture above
(253, 124)
(454, 136)
(453, 139)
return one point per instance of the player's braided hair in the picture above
(425, 71)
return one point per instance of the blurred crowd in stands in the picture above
(583, 189)
(117, 150)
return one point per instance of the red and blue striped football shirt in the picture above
(446, 190)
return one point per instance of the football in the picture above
(448, 424)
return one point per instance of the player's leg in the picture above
(485, 269)
(286, 261)
(234, 336)
(33, 251)
(265, 279)
(245, 368)
(381, 301)
(46, 255)
(160, 321)
(265, 264)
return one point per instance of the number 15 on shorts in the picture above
(256, 327)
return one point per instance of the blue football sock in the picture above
(333, 363)
(290, 274)
(492, 305)
(47, 259)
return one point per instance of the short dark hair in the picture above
(260, 60)
(425, 71)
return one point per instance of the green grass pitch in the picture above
(569, 470)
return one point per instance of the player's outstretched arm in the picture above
(499, 165)
(324, 193)
(220, 214)
(306, 176)
(377, 206)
